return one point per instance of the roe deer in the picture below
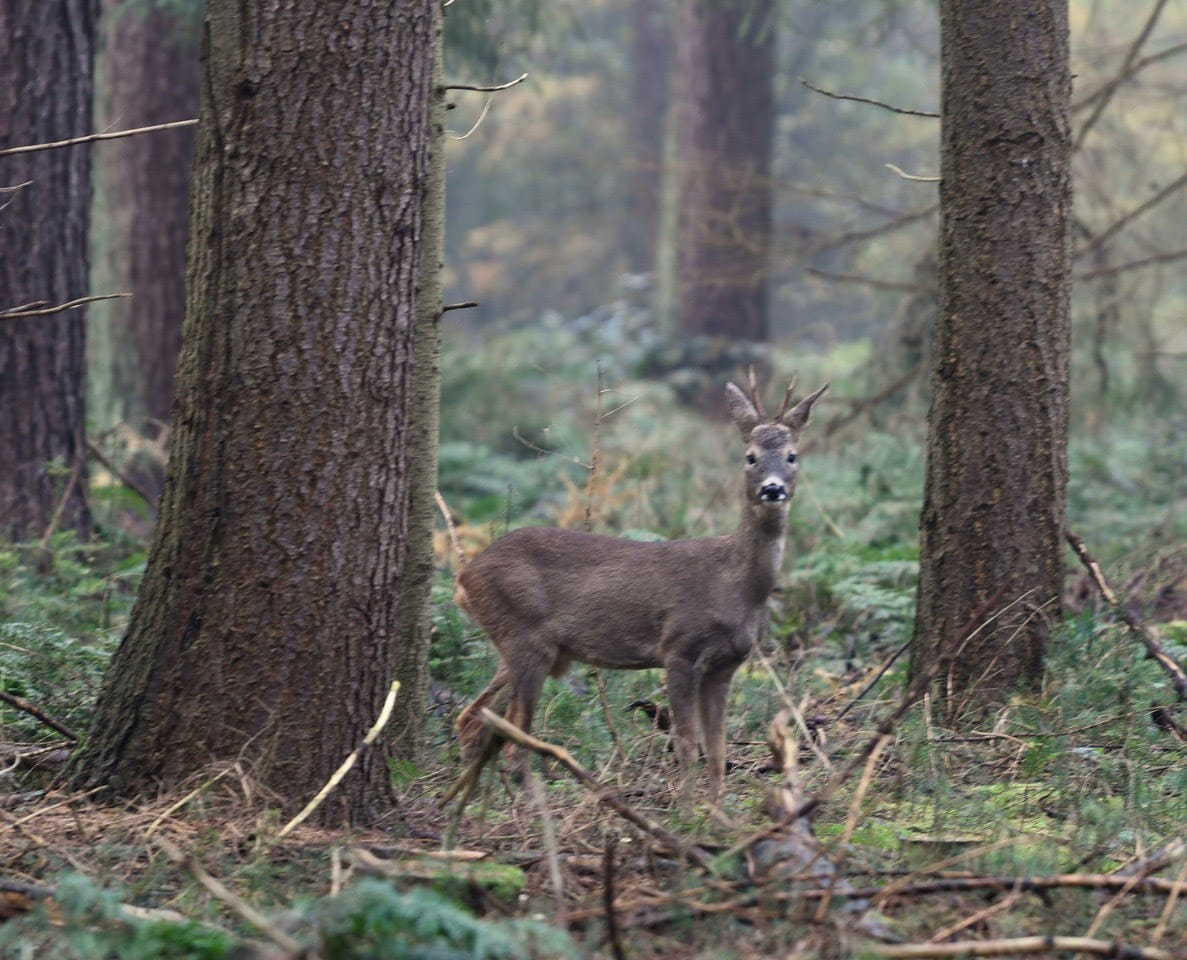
(547, 597)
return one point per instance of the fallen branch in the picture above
(1041, 944)
(18, 313)
(347, 764)
(90, 137)
(20, 703)
(613, 933)
(604, 794)
(232, 900)
(1150, 641)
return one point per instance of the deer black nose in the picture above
(772, 492)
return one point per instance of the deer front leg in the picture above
(682, 693)
(714, 694)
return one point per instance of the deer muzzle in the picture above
(772, 491)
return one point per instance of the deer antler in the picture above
(754, 397)
(786, 399)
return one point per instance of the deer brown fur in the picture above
(547, 597)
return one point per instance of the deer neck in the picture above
(758, 549)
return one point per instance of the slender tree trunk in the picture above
(993, 511)
(269, 620)
(47, 52)
(649, 104)
(724, 116)
(151, 77)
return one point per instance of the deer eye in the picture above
(791, 458)
(751, 459)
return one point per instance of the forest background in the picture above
(574, 356)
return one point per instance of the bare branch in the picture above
(463, 305)
(502, 86)
(1136, 212)
(1127, 75)
(909, 176)
(1131, 265)
(17, 312)
(1107, 94)
(874, 282)
(873, 103)
(91, 137)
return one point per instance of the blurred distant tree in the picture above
(722, 97)
(283, 592)
(649, 103)
(151, 72)
(47, 50)
(993, 513)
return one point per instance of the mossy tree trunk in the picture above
(722, 95)
(47, 53)
(151, 73)
(993, 514)
(277, 602)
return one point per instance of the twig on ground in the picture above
(90, 137)
(1149, 639)
(231, 899)
(604, 794)
(548, 829)
(347, 764)
(1180, 884)
(612, 931)
(873, 682)
(20, 703)
(872, 103)
(885, 732)
(17, 312)
(1038, 944)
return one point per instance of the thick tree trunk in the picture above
(47, 51)
(649, 104)
(152, 77)
(993, 511)
(268, 622)
(724, 116)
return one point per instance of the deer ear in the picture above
(797, 417)
(742, 410)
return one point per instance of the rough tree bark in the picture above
(269, 620)
(47, 52)
(721, 92)
(994, 496)
(151, 77)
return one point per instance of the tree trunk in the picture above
(152, 77)
(47, 52)
(993, 512)
(724, 116)
(649, 104)
(268, 622)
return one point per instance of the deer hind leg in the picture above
(682, 693)
(527, 683)
(711, 700)
(470, 726)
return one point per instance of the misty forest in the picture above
(593, 478)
